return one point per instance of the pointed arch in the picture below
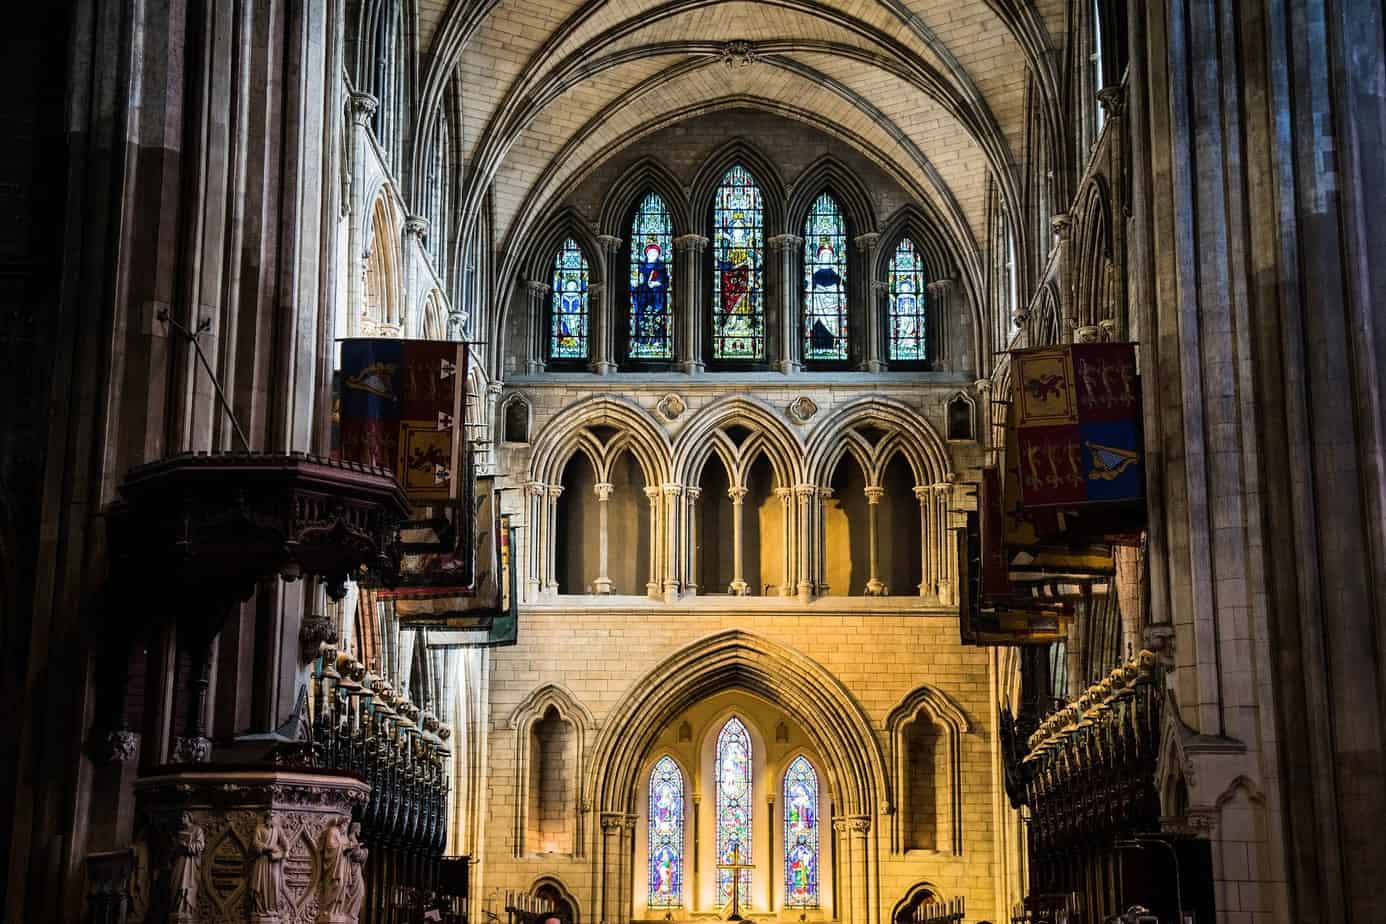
(645, 175)
(665, 840)
(810, 695)
(547, 703)
(917, 440)
(801, 798)
(769, 435)
(761, 168)
(828, 174)
(936, 708)
(642, 437)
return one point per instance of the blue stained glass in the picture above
(825, 282)
(738, 303)
(651, 280)
(568, 313)
(800, 835)
(908, 312)
(733, 806)
(666, 835)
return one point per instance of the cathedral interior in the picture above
(633, 461)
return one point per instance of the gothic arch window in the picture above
(825, 325)
(568, 307)
(738, 272)
(665, 834)
(1095, 57)
(733, 806)
(649, 327)
(907, 321)
(801, 835)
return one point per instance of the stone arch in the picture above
(433, 319)
(943, 712)
(709, 177)
(647, 174)
(550, 699)
(961, 410)
(941, 255)
(769, 435)
(926, 454)
(841, 734)
(537, 258)
(921, 893)
(827, 174)
(643, 438)
(1092, 275)
(382, 309)
(1043, 326)
(516, 419)
(563, 895)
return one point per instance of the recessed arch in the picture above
(739, 151)
(642, 436)
(769, 434)
(645, 175)
(919, 442)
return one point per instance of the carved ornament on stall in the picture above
(671, 407)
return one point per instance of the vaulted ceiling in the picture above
(934, 91)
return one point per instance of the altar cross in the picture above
(736, 866)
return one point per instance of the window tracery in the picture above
(801, 835)
(665, 835)
(649, 328)
(733, 805)
(568, 328)
(908, 304)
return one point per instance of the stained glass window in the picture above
(909, 305)
(666, 835)
(733, 806)
(650, 332)
(800, 835)
(568, 324)
(738, 297)
(825, 282)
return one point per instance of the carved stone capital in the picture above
(536, 488)
(609, 242)
(603, 490)
(737, 494)
(555, 491)
(783, 241)
(983, 386)
(1112, 100)
(672, 490)
(693, 493)
(866, 241)
(613, 822)
(595, 289)
(805, 491)
(363, 107)
(416, 226)
(694, 243)
(874, 493)
(653, 493)
(784, 494)
(923, 492)
(537, 289)
(879, 285)
(859, 825)
(940, 287)
(1108, 329)
(1087, 333)
(1059, 224)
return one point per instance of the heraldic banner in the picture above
(1078, 425)
(401, 407)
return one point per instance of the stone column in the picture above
(786, 247)
(948, 554)
(820, 542)
(877, 296)
(786, 496)
(860, 827)
(842, 854)
(941, 302)
(628, 826)
(538, 299)
(551, 538)
(363, 106)
(415, 251)
(805, 494)
(672, 526)
(689, 533)
(1060, 223)
(610, 876)
(861, 292)
(652, 587)
(602, 585)
(929, 549)
(874, 587)
(738, 499)
(537, 513)
(688, 302)
(605, 307)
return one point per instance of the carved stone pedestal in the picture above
(222, 845)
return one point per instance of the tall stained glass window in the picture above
(800, 835)
(650, 333)
(825, 282)
(568, 315)
(738, 284)
(666, 835)
(733, 806)
(909, 304)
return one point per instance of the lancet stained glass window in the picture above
(733, 806)
(650, 332)
(909, 304)
(825, 282)
(800, 835)
(666, 835)
(738, 297)
(568, 324)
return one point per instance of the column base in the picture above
(875, 588)
(691, 367)
(604, 368)
(789, 367)
(671, 592)
(738, 588)
(945, 593)
(872, 365)
(653, 592)
(805, 593)
(602, 586)
(534, 367)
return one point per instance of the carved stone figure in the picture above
(268, 847)
(189, 841)
(357, 853)
(337, 871)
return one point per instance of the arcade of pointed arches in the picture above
(737, 503)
